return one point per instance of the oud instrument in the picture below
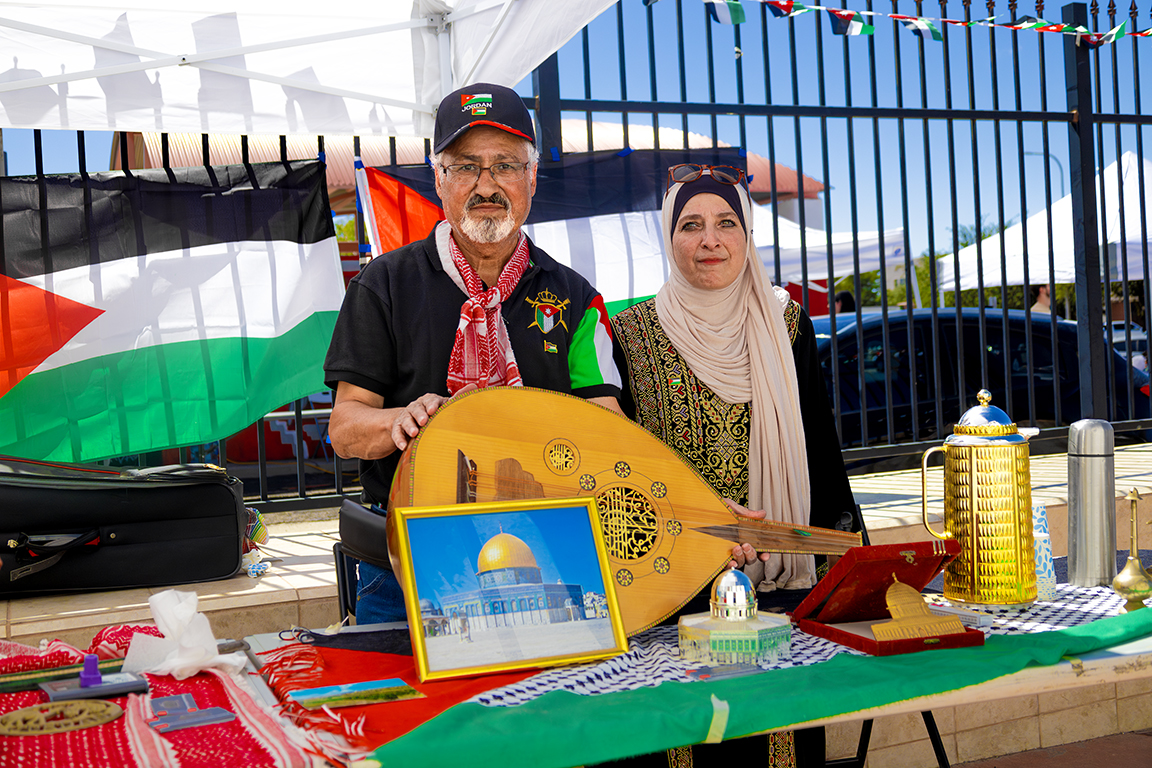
(666, 532)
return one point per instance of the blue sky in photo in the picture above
(445, 548)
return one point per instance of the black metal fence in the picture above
(947, 141)
(927, 136)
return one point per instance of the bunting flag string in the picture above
(846, 21)
(923, 27)
(725, 11)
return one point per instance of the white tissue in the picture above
(188, 645)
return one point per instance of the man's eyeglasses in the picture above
(686, 172)
(469, 173)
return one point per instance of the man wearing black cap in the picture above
(475, 304)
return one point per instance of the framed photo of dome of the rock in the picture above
(506, 585)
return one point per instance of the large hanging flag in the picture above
(921, 26)
(848, 22)
(159, 308)
(410, 214)
(725, 11)
(597, 212)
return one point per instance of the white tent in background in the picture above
(1125, 173)
(622, 254)
(816, 243)
(266, 66)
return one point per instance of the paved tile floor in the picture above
(1125, 750)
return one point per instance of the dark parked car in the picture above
(1006, 369)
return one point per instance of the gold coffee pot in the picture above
(987, 508)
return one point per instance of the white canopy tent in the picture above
(1126, 174)
(266, 66)
(868, 245)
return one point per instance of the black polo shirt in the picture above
(398, 323)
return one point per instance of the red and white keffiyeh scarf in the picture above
(482, 354)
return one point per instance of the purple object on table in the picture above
(90, 674)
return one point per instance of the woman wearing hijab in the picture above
(722, 367)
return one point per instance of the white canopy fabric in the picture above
(267, 66)
(622, 254)
(868, 245)
(1124, 173)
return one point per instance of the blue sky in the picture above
(862, 68)
(445, 548)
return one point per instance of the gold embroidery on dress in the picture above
(792, 321)
(782, 747)
(681, 410)
(680, 757)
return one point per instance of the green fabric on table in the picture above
(562, 729)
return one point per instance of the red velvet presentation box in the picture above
(852, 597)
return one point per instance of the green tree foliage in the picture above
(345, 228)
(1016, 296)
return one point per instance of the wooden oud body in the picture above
(667, 533)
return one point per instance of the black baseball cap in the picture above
(481, 104)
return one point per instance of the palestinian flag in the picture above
(597, 212)
(725, 11)
(160, 308)
(923, 27)
(785, 8)
(848, 22)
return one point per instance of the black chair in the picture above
(866, 728)
(345, 581)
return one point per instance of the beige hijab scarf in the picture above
(735, 341)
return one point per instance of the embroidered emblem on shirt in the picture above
(549, 311)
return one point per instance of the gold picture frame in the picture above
(506, 585)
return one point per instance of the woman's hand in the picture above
(744, 554)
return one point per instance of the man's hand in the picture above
(409, 420)
(744, 554)
(362, 428)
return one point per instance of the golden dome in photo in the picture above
(505, 551)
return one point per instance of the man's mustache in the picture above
(494, 199)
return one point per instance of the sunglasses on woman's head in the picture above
(687, 172)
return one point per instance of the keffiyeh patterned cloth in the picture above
(653, 657)
(482, 354)
(254, 739)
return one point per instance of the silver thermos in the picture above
(1091, 504)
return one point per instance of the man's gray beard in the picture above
(484, 229)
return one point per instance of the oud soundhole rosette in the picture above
(631, 524)
(561, 456)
